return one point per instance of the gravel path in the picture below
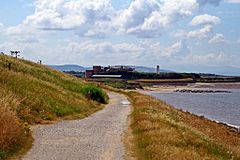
(96, 137)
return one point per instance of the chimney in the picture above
(158, 69)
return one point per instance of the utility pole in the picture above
(15, 53)
(9, 66)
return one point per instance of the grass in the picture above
(162, 132)
(32, 93)
(116, 84)
(13, 134)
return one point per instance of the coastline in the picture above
(230, 85)
(149, 90)
(161, 130)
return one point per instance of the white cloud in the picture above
(23, 34)
(1, 25)
(141, 53)
(201, 33)
(207, 59)
(62, 14)
(147, 18)
(218, 38)
(33, 51)
(205, 19)
(145, 52)
(85, 18)
(179, 48)
(96, 18)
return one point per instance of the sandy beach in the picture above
(171, 88)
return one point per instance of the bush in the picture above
(95, 93)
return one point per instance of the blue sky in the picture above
(188, 36)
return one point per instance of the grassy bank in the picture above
(32, 93)
(13, 134)
(162, 132)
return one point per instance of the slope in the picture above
(31, 93)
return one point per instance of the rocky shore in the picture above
(201, 91)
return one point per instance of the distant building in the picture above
(97, 69)
(103, 72)
(106, 76)
(121, 68)
(89, 73)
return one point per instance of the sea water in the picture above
(221, 107)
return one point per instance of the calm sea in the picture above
(222, 107)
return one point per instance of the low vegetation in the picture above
(32, 93)
(162, 132)
(95, 93)
(13, 134)
(120, 84)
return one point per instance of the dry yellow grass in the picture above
(162, 132)
(13, 135)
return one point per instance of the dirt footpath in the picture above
(96, 137)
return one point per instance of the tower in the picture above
(158, 69)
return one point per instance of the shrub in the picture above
(95, 93)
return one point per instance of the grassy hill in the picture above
(32, 93)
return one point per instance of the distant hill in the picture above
(68, 67)
(78, 68)
(149, 69)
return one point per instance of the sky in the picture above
(179, 35)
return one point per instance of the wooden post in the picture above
(9, 66)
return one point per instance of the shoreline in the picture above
(223, 86)
(171, 89)
(155, 123)
(230, 126)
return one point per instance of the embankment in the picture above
(162, 132)
(33, 94)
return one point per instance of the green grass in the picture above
(116, 84)
(95, 93)
(42, 95)
(3, 155)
